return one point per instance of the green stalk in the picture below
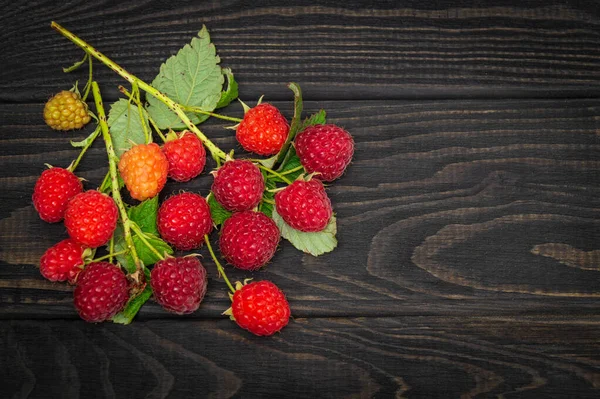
(111, 247)
(297, 168)
(109, 256)
(95, 134)
(271, 171)
(139, 104)
(88, 85)
(173, 106)
(136, 229)
(201, 111)
(112, 166)
(219, 266)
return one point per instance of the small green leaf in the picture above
(298, 105)
(231, 93)
(269, 162)
(133, 306)
(217, 212)
(264, 206)
(319, 118)
(124, 260)
(146, 255)
(292, 162)
(144, 215)
(125, 125)
(313, 243)
(192, 78)
(88, 140)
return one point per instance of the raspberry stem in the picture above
(173, 106)
(88, 85)
(297, 168)
(219, 266)
(109, 256)
(113, 177)
(139, 104)
(90, 141)
(271, 171)
(283, 154)
(201, 111)
(76, 65)
(136, 229)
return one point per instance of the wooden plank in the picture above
(449, 208)
(414, 357)
(354, 50)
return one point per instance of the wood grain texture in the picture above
(469, 220)
(403, 357)
(449, 207)
(335, 50)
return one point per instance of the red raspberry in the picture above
(52, 192)
(304, 205)
(144, 170)
(263, 130)
(249, 239)
(238, 185)
(63, 261)
(260, 308)
(179, 284)
(184, 219)
(326, 149)
(102, 291)
(186, 156)
(91, 218)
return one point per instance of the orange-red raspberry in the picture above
(260, 308)
(63, 261)
(263, 130)
(53, 191)
(91, 218)
(144, 170)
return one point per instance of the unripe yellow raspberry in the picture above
(66, 111)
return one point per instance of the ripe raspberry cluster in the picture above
(244, 199)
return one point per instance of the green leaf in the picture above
(192, 78)
(266, 207)
(298, 105)
(217, 212)
(231, 93)
(124, 259)
(144, 215)
(88, 140)
(133, 306)
(146, 255)
(319, 118)
(125, 125)
(291, 163)
(313, 243)
(269, 162)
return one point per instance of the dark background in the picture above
(469, 221)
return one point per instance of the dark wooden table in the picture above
(469, 222)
